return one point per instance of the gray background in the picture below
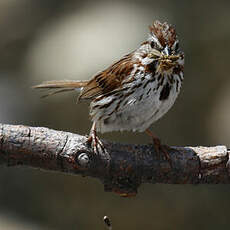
(55, 39)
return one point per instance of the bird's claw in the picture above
(159, 148)
(96, 144)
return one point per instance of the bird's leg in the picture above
(94, 140)
(156, 140)
(158, 146)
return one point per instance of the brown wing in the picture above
(109, 79)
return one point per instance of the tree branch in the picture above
(122, 170)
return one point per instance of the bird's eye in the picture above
(176, 46)
(153, 45)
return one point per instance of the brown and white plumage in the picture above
(138, 89)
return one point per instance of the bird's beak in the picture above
(167, 62)
(173, 58)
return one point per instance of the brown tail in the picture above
(60, 86)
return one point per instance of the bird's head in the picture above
(163, 47)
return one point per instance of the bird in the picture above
(135, 91)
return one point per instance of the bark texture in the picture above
(121, 169)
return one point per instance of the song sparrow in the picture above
(135, 91)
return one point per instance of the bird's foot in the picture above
(159, 148)
(95, 143)
(162, 149)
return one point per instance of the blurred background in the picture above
(55, 39)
